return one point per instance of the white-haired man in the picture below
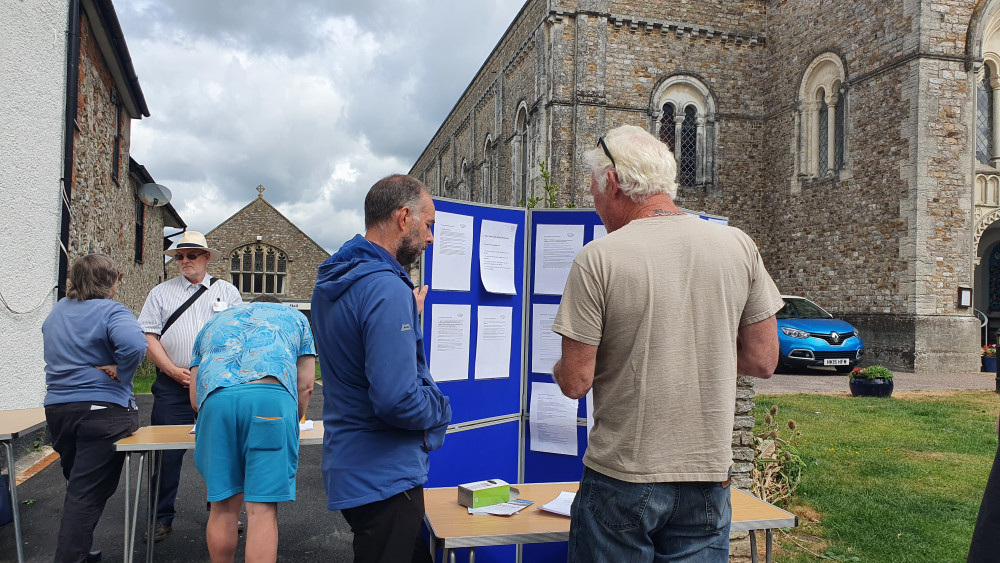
(659, 317)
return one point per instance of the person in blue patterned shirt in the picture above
(252, 375)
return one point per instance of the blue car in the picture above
(811, 337)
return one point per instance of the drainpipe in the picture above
(69, 132)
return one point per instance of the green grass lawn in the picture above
(896, 479)
(146, 374)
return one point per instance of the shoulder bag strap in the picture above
(184, 307)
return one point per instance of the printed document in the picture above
(452, 251)
(496, 256)
(493, 334)
(552, 422)
(451, 330)
(562, 504)
(546, 346)
(555, 248)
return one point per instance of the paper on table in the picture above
(555, 248)
(305, 425)
(562, 504)
(553, 420)
(496, 256)
(493, 342)
(450, 341)
(452, 251)
(503, 508)
(546, 346)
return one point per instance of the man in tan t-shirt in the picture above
(658, 317)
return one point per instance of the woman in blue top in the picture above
(93, 346)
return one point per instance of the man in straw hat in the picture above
(173, 314)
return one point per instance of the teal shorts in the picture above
(247, 441)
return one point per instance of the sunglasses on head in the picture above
(181, 256)
(603, 145)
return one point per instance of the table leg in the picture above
(13, 499)
(472, 555)
(753, 546)
(154, 496)
(128, 512)
(768, 541)
(132, 516)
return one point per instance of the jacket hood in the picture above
(356, 259)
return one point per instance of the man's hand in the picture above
(180, 375)
(420, 293)
(111, 370)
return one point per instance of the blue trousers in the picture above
(171, 405)
(623, 522)
(84, 437)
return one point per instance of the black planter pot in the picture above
(870, 387)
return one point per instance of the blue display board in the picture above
(471, 398)
(542, 467)
(487, 452)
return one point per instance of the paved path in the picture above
(828, 381)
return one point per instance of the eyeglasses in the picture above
(603, 145)
(181, 256)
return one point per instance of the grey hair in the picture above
(392, 193)
(644, 165)
(92, 277)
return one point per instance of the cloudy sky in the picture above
(314, 99)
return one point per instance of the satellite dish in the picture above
(154, 195)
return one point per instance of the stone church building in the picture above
(264, 252)
(856, 141)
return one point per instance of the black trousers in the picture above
(388, 531)
(986, 536)
(84, 438)
(171, 405)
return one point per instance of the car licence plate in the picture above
(836, 362)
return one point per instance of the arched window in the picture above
(821, 118)
(521, 167)
(684, 114)
(487, 171)
(259, 268)
(985, 114)
(465, 182)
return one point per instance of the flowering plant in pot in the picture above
(872, 381)
(990, 358)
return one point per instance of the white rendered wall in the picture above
(32, 91)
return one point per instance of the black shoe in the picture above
(94, 556)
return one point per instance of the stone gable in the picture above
(260, 219)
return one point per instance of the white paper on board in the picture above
(600, 231)
(555, 248)
(496, 256)
(590, 412)
(493, 336)
(546, 346)
(452, 252)
(450, 341)
(553, 420)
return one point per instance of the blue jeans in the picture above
(623, 522)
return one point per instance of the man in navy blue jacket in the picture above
(382, 411)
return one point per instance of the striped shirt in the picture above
(165, 298)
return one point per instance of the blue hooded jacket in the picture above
(382, 412)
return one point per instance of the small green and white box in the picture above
(483, 493)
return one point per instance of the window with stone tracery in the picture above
(259, 268)
(684, 116)
(821, 119)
